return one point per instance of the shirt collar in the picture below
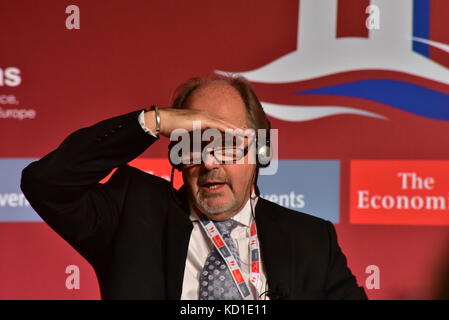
(243, 216)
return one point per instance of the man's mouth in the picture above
(213, 185)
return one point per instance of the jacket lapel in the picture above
(179, 228)
(276, 249)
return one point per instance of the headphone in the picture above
(263, 151)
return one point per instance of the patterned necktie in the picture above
(216, 282)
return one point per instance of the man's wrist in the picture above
(157, 119)
(148, 122)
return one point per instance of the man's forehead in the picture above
(221, 100)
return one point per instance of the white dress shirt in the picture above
(200, 246)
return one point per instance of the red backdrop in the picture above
(129, 55)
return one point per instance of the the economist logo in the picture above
(405, 192)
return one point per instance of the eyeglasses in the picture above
(229, 149)
(222, 155)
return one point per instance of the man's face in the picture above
(219, 190)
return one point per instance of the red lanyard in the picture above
(214, 235)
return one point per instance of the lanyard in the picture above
(215, 236)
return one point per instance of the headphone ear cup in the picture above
(264, 153)
(264, 156)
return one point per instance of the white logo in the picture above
(319, 53)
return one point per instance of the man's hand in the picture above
(172, 119)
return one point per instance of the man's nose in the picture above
(209, 161)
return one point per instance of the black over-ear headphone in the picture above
(263, 151)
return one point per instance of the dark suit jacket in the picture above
(135, 233)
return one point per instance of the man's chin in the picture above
(215, 206)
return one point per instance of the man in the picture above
(148, 241)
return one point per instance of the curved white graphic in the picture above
(439, 45)
(319, 53)
(304, 113)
